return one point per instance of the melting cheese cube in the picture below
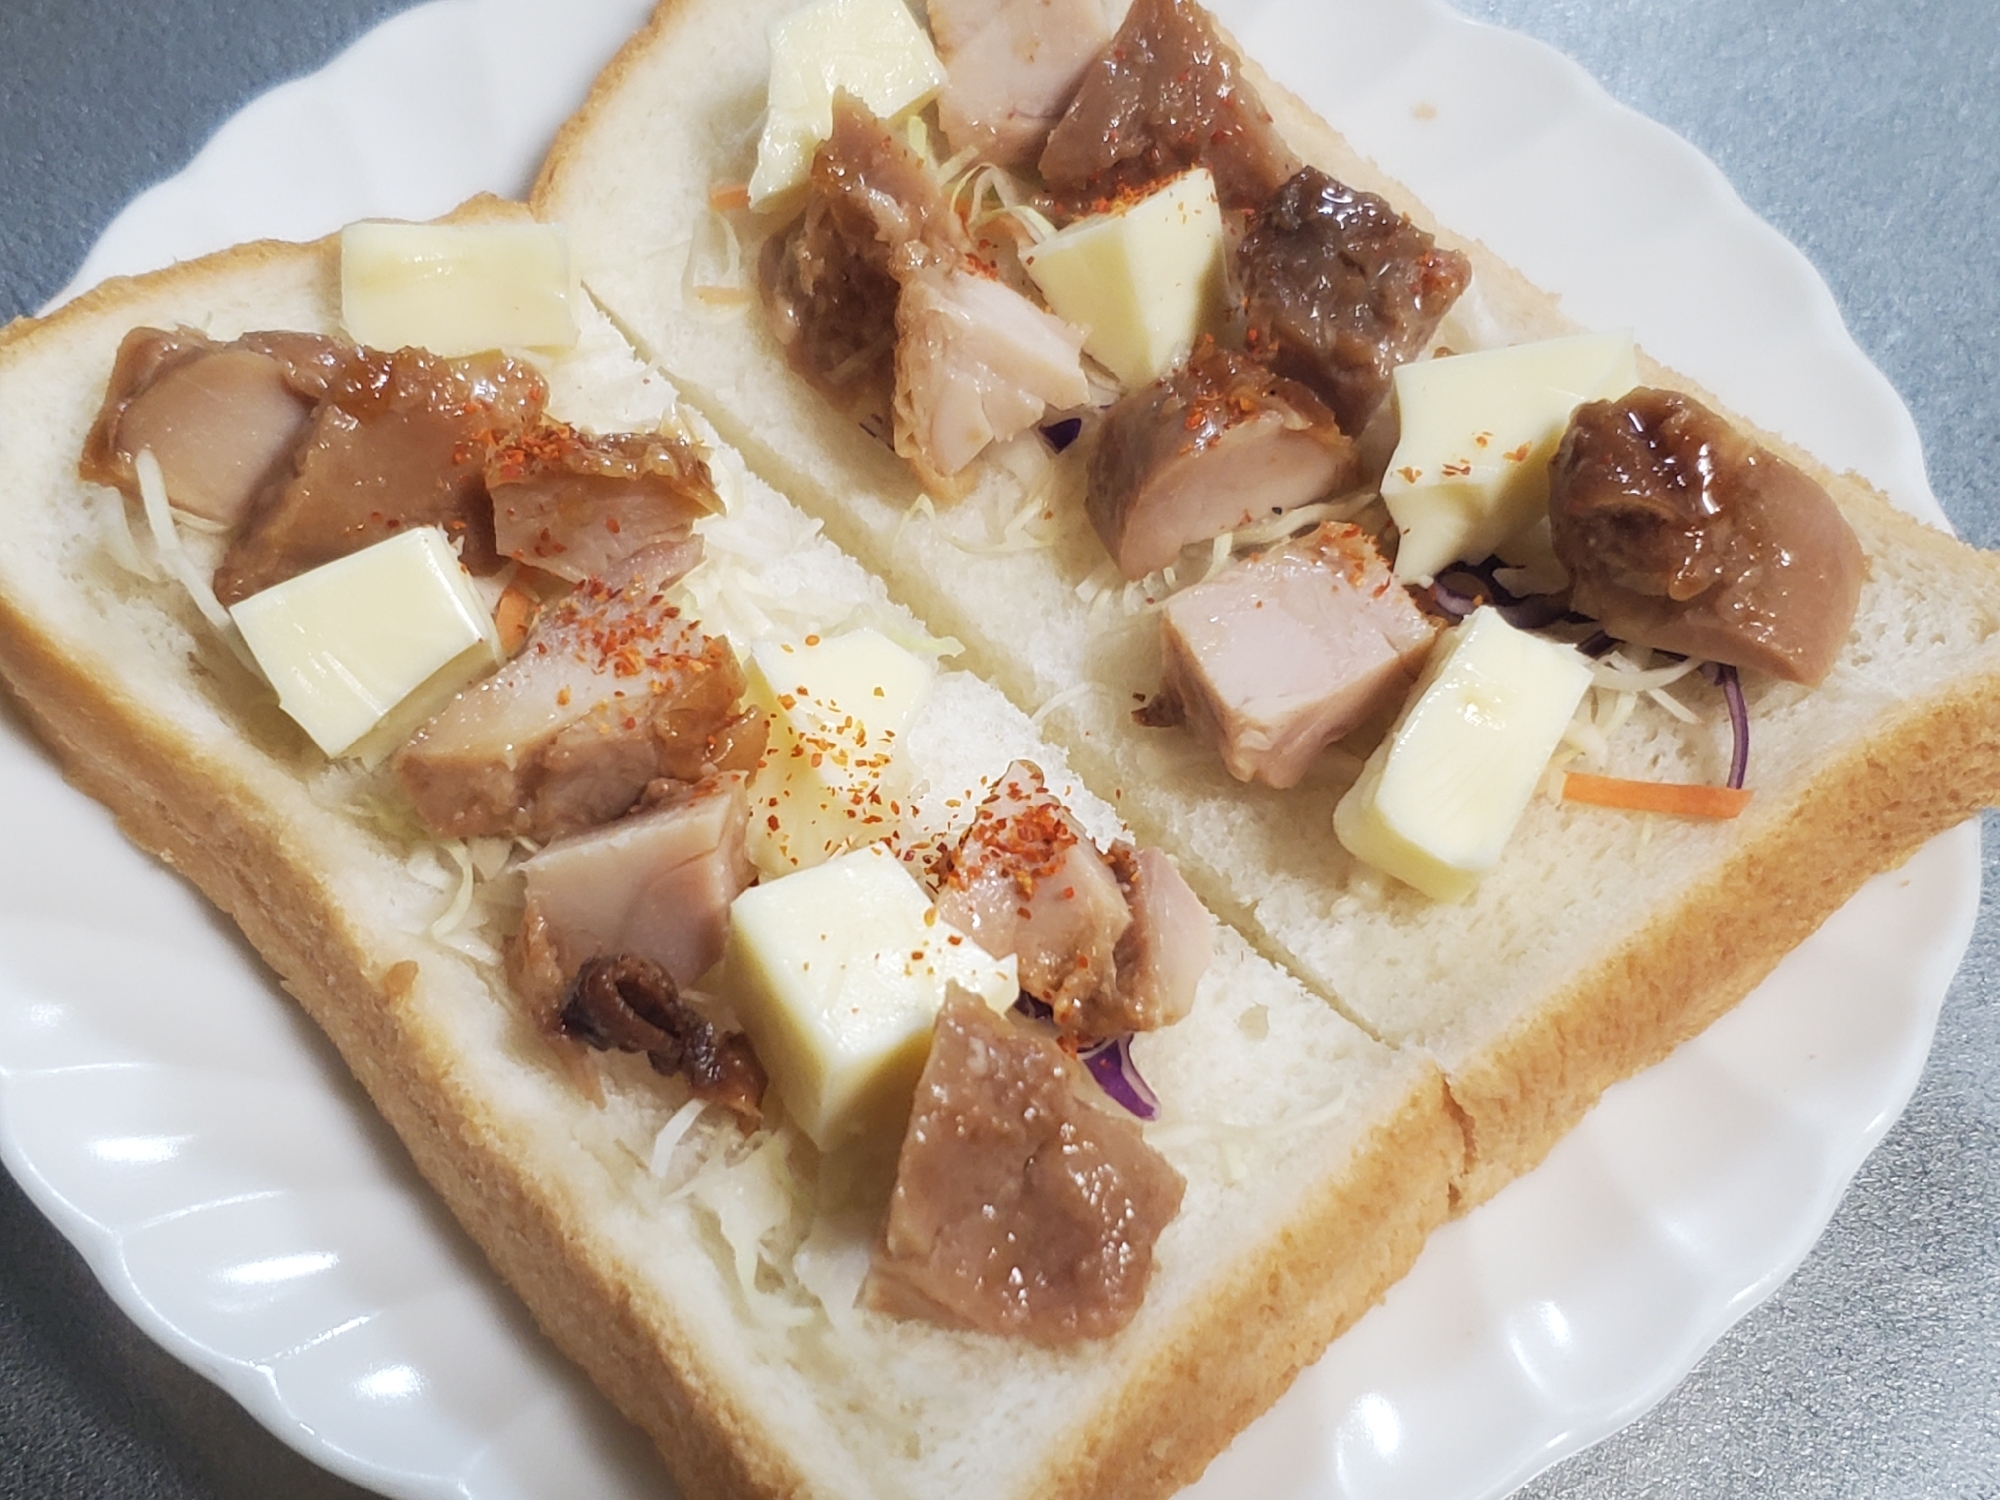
(837, 974)
(347, 642)
(456, 289)
(872, 49)
(838, 708)
(1471, 468)
(1146, 280)
(1440, 796)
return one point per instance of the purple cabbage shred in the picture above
(1059, 435)
(1110, 1063)
(1463, 587)
(1027, 1005)
(1739, 726)
(1725, 677)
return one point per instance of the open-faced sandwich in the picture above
(845, 1066)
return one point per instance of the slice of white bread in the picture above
(1603, 939)
(1317, 1159)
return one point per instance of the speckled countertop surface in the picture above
(1867, 131)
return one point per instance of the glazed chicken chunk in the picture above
(1021, 1206)
(1281, 654)
(1215, 445)
(1684, 535)
(1013, 67)
(655, 885)
(611, 691)
(1166, 95)
(579, 506)
(1112, 943)
(1339, 289)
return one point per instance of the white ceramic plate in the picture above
(187, 1129)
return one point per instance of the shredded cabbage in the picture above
(754, 1202)
(956, 163)
(1615, 671)
(1673, 705)
(461, 899)
(671, 1135)
(921, 506)
(1018, 535)
(712, 281)
(119, 541)
(1585, 738)
(182, 568)
(1074, 693)
(1278, 528)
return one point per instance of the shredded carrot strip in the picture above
(512, 616)
(729, 195)
(723, 296)
(1689, 801)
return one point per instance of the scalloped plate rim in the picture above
(253, 1383)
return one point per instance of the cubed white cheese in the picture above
(873, 49)
(1478, 430)
(456, 289)
(1146, 280)
(347, 642)
(1440, 796)
(839, 708)
(837, 974)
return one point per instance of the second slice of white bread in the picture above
(1317, 1159)
(1602, 940)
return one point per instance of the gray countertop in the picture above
(1867, 131)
